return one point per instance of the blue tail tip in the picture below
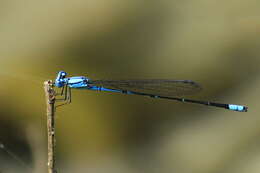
(238, 108)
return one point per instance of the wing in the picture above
(160, 87)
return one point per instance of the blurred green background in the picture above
(215, 43)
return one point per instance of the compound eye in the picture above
(63, 75)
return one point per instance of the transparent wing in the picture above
(160, 87)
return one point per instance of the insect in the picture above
(155, 88)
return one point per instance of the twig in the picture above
(50, 101)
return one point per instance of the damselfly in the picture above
(155, 88)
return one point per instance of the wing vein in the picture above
(162, 87)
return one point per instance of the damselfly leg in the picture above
(65, 96)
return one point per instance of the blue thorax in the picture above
(72, 82)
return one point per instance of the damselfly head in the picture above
(62, 74)
(59, 81)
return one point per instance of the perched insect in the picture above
(156, 88)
